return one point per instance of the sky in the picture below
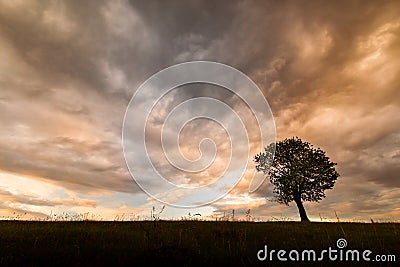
(68, 69)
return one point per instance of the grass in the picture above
(181, 243)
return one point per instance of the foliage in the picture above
(298, 170)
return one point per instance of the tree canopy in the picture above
(299, 172)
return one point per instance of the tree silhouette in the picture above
(298, 171)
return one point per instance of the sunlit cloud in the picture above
(69, 69)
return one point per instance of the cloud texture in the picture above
(330, 72)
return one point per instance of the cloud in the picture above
(78, 165)
(329, 73)
(7, 196)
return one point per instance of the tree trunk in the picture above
(302, 211)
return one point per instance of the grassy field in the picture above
(184, 243)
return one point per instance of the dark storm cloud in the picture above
(78, 165)
(52, 37)
(58, 99)
(68, 69)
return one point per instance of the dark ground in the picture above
(185, 243)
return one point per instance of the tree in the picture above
(298, 171)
